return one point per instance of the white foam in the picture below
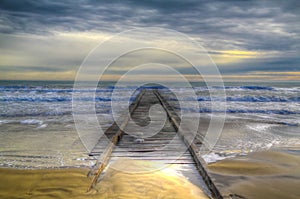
(214, 157)
(85, 161)
(139, 140)
(259, 127)
(32, 121)
(42, 126)
(273, 143)
(5, 121)
(80, 159)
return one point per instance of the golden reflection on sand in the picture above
(149, 181)
(73, 183)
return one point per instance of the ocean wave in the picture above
(66, 90)
(257, 88)
(248, 87)
(278, 112)
(42, 126)
(214, 157)
(208, 110)
(32, 121)
(259, 127)
(35, 99)
(42, 89)
(12, 89)
(50, 113)
(35, 114)
(263, 99)
(243, 99)
(6, 121)
(60, 99)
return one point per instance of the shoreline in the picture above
(259, 175)
(73, 183)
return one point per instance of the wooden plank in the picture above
(192, 148)
(104, 158)
(131, 154)
(161, 161)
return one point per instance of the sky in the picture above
(253, 40)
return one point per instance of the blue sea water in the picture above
(275, 102)
(258, 116)
(34, 98)
(29, 110)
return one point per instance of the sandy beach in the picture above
(44, 183)
(35, 138)
(73, 183)
(260, 175)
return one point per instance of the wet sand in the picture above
(260, 175)
(73, 183)
(45, 183)
(162, 183)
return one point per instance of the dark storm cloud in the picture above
(254, 25)
(43, 16)
(290, 64)
(204, 16)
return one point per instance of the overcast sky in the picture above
(248, 40)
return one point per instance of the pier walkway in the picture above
(170, 145)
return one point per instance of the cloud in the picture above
(63, 32)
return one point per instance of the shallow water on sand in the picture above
(29, 146)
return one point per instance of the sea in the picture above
(37, 127)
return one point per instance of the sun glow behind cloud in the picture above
(57, 56)
(235, 56)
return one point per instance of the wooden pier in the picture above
(162, 147)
